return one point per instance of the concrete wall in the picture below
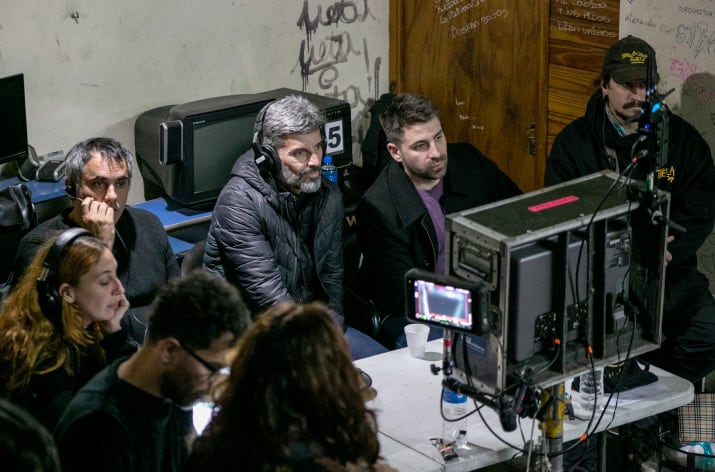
(92, 66)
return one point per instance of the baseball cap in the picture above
(627, 60)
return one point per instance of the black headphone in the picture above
(71, 190)
(48, 295)
(265, 155)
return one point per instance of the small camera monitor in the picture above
(447, 302)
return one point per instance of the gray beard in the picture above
(293, 181)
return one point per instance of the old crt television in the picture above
(13, 119)
(185, 152)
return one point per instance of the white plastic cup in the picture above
(416, 335)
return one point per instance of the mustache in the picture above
(632, 105)
(309, 169)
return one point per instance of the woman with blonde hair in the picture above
(292, 400)
(60, 324)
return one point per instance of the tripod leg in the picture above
(553, 425)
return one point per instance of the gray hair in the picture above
(293, 114)
(108, 148)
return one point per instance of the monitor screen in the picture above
(217, 145)
(13, 120)
(448, 306)
(446, 301)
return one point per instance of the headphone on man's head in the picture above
(71, 190)
(266, 156)
(48, 295)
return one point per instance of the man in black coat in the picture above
(604, 138)
(276, 229)
(401, 218)
(135, 414)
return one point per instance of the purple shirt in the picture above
(431, 200)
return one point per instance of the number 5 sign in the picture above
(334, 142)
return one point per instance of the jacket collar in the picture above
(408, 202)
(404, 195)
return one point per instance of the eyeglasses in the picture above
(211, 367)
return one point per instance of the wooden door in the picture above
(484, 65)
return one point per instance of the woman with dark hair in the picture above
(60, 324)
(292, 400)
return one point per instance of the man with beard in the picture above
(135, 414)
(401, 218)
(604, 139)
(276, 229)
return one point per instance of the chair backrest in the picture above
(17, 217)
(193, 258)
(375, 155)
(359, 312)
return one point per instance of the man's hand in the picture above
(668, 255)
(98, 219)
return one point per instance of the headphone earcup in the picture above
(265, 156)
(267, 159)
(48, 296)
(71, 190)
(50, 301)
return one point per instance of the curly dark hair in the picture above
(197, 309)
(293, 396)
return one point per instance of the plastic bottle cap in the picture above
(328, 160)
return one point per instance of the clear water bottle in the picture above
(454, 405)
(591, 390)
(328, 170)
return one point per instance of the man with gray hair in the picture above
(98, 174)
(276, 229)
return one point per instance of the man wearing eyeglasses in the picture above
(276, 229)
(135, 414)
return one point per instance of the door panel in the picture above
(484, 64)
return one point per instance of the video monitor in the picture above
(13, 119)
(447, 302)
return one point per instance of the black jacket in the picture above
(689, 174)
(113, 426)
(48, 394)
(396, 232)
(255, 240)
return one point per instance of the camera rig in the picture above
(575, 273)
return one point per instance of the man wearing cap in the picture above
(604, 138)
